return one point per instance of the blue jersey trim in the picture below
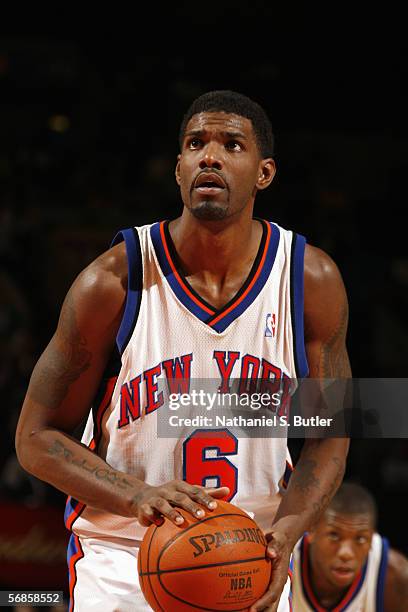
(261, 270)
(168, 272)
(286, 475)
(382, 571)
(221, 325)
(70, 507)
(135, 285)
(297, 307)
(72, 548)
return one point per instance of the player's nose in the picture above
(211, 157)
(345, 551)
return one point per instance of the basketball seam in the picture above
(187, 569)
(148, 559)
(158, 573)
(197, 606)
(193, 525)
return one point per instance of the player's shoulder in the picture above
(104, 280)
(109, 268)
(396, 582)
(106, 277)
(322, 277)
(397, 566)
(325, 298)
(319, 266)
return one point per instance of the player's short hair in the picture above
(227, 101)
(352, 498)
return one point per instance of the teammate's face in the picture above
(339, 546)
(220, 167)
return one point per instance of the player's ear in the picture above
(267, 170)
(311, 535)
(177, 172)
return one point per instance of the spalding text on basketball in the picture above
(204, 543)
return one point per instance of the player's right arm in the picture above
(61, 390)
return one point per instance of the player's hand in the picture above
(279, 551)
(151, 504)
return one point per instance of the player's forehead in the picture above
(348, 522)
(219, 122)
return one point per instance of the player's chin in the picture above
(209, 210)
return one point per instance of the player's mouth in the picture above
(343, 573)
(209, 183)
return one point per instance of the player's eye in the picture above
(361, 539)
(233, 145)
(194, 143)
(333, 536)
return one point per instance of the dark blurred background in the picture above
(88, 144)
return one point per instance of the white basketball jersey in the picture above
(170, 336)
(366, 593)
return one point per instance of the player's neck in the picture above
(217, 248)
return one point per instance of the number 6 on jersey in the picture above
(204, 460)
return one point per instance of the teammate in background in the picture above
(186, 299)
(343, 564)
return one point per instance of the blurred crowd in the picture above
(88, 146)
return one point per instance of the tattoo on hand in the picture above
(101, 473)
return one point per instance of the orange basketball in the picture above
(217, 562)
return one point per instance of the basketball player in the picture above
(343, 564)
(190, 298)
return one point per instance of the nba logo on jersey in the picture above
(270, 326)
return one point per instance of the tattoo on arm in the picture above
(307, 481)
(321, 504)
(52, 381)
(308, 484)
(100, 473)
(334, 362)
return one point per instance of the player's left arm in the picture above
(320, 468)
(396, 583)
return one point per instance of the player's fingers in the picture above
(276, 547)
(271, 598)
(156, 509)
(269, 602)
(157, 520)
(164, 508)
(182, 500)
(203, 495)
(147, 515)
(218, 492)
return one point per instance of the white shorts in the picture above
(103, 577)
